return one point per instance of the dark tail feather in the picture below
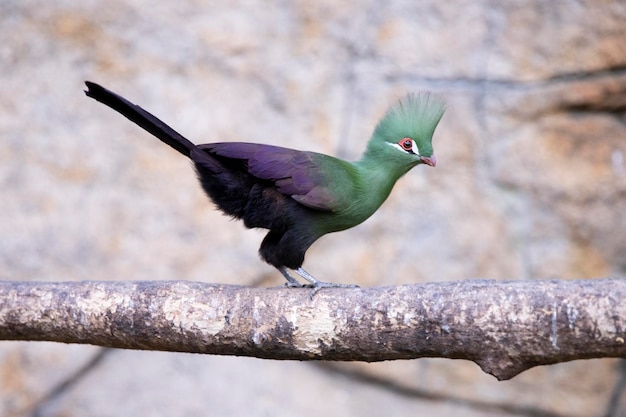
(141, 117)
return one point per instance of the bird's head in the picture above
(404, 134)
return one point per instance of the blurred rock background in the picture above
(530, 183)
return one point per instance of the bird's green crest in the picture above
(416, 116)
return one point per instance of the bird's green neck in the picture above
(378, 171)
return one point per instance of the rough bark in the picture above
(505, 327)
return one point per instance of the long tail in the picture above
(141, 117)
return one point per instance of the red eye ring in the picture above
(406, 144)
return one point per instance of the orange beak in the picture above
(431, 161)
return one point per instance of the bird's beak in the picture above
(431, 161)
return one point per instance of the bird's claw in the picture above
(321, 284)
(315, 288)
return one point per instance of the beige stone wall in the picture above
(530, 183)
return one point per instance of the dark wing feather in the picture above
(299, 174)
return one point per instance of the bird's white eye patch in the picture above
(407, 145)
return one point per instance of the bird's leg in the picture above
(318, 285)
(291, 281)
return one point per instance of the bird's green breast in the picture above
(360, 190)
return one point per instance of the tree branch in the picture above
(505, 327)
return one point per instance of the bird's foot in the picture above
(314, 283)
(317, 285)
(321, 284)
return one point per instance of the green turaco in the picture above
(298, 195)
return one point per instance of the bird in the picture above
(297, 195)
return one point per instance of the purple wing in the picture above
(298, 174)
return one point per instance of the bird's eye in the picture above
(406, 144)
